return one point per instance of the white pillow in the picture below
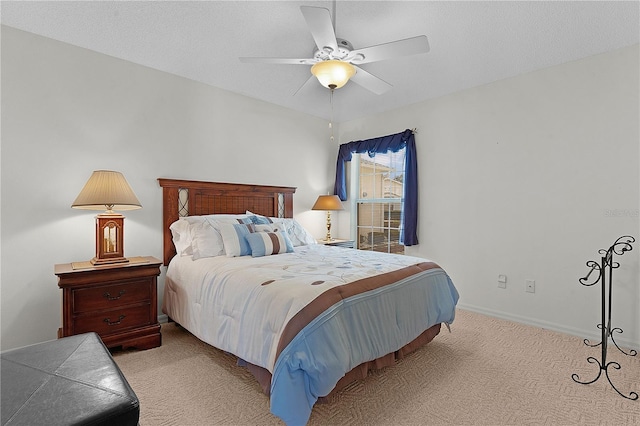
(181, 236)
(182, 232)
(298, 235)
(206, 240)
(227, 218)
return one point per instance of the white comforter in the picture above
(242, 304)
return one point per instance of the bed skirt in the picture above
(263, 376)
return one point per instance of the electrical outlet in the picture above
(530, 286)
(502, 281)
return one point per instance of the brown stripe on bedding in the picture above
(275, 241)
(336, 294)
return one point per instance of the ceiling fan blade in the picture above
(319, 22)
(310, 82)
(284, 61)
(394, 49)
(370, 81)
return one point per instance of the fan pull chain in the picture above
(331, 121)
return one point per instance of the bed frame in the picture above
(182, 198)
(185, 197)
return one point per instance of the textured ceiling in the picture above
(472, 43)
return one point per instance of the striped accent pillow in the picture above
(268, 243)
(234, 238)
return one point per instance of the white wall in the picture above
(529, 177)
(67, 111)
(526, 177)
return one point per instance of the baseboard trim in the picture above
(163, 318)
(593, 335)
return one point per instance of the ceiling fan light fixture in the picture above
(333, 74)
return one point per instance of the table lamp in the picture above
(328, 203)
(108, 190)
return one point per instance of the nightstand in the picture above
(119, 302)
(338, 243)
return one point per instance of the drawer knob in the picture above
(108, 295)
(108, 321)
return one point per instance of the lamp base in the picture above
(99, 262)
(109, 240)
(328, 237)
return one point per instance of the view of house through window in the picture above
(379, 202)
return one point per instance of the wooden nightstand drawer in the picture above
(108, 322)
(110, 296)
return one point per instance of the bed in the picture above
(306, 321)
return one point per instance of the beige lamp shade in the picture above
(328, 202)
(108, 190)
(333, 74)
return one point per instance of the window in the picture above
(378, 205)
(383, 145)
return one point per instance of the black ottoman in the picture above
(69, 381)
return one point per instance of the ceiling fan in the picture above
(335, 61)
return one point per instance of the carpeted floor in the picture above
(487, 371)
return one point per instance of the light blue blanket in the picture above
(355, 330)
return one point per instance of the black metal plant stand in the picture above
(605, 269)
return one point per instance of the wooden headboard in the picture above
(190, 198)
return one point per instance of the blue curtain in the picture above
(394, 143)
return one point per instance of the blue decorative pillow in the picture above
(260, 220)
(234, 238)
(268, 243)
